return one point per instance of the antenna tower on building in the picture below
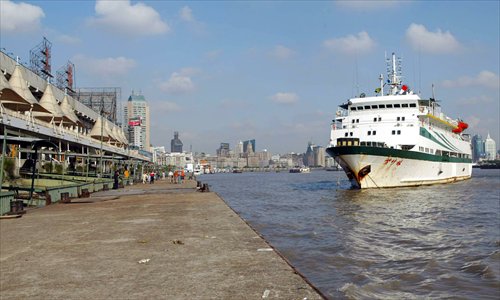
(65, 77)
(40, 57)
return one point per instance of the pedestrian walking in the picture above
(152, 178)
(115, 182)
(171, 176)
(145, 178)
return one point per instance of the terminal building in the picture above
(32, 109)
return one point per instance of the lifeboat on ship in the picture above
(460, 127)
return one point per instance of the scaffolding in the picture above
(40, 57)
(101, 100)
(65, 77)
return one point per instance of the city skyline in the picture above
(213, 73)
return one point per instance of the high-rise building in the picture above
(314, 156)
(176, 143)
(249, 146)
(490, 148)
(223, 150)
(477, 147)
(136, 114)
(239, 149)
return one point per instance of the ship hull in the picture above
(372, 167)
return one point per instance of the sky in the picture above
(273, 71)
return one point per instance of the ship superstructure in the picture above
(398, 139)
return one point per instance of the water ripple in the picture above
(439, 241)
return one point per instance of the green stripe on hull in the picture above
(425, 133)
(346, 150)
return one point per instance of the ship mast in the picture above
(394, 78)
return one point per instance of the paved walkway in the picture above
(153, 241)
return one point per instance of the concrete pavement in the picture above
(153, 241)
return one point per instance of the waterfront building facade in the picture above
(136, 114)
(490, 148)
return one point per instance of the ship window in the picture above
(413, 105)
(420, 148)
(360, 107)
(350, 133)
(381, 106)
(399, 131)
(346, 134)
(353, 108)
(393, 132)
(357, 120)
(402, 118)
(398, 119)
(374, 132)
(375, 119)
(374, 106)
(404, 105)
(397, 105)
(379, 119)
(367, 106)
(389, 105)
(363, 143)
(369, 133)
(353, 120)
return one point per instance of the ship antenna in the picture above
(393, 75)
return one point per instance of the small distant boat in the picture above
(237, 171)
(300, 170)
(491, 164)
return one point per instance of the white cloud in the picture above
(19, 17)
(282, 53)
(180, 82)
(123, 17)
(285, 98)
(186, 14)
(110, 66)
(351, 44)
(437, 42)
(484, 78)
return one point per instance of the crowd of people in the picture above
(176, 176)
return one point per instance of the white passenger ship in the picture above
(398, 139)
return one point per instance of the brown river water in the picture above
(432, 242)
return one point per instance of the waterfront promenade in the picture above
(152, 241)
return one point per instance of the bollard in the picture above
(85, 193)
(16, 206)
(198, 184)
(65, 198)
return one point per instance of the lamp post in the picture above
(102, 132)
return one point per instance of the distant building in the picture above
(249, 146)
(136, 114)
(239, 149)
(314, 156)
(490, 148)
(176, 144)
(477, 147)
(223, 150)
